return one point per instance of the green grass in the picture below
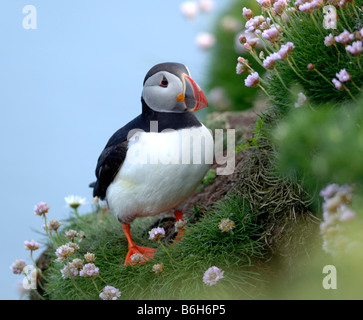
(203, 246)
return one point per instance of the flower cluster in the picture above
(31, 245)
(354, 48)
(158, 268)
(156, 233)
(41, 208)
(336, 214)
(71, 234)
(190, 9)
(137, 258)
(18, 266)
(271, 33)
(308, 6)
(343, 76)
(69, 271)
(63, 252)
(89, 270)
(53, 225)
(212, 276)
(272, 30)
(226, 225)
(110, 293)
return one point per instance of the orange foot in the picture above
(147, 254)
(179, 217)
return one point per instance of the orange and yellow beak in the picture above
(193, 95)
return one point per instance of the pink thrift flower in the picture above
(346, 215)
(156, 233)
(344, 37)
(253, 23)
(338, 85)
(271, 34)
(41, 208)
(212, 276)
(330, 190)
(285, 50)
(343, 75)
(247, 46)
(63, 252)
(89, 270)
(31, 245)
(110, 293)
(355, 48)
(280, 6)
(252, 80)
(264, 3)
(247, 13)
(206, 5)
(317, 4)
(241, 68)
(307, 7)
(189, 9)
(65, 271)
(18, 266)
(270, 61)
(329, 40)
(254, 42)
(205, 40)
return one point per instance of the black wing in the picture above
(112, 158)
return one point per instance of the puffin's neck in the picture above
(169, 120)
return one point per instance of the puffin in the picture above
(156, 161)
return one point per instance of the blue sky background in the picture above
(65, 88)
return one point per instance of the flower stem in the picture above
(74, 283)
(283, 83)
(94, 282)
(355, 11)
(59, 238)
(359, 89)
(77, 214)
(346, 89)
(263, 89)
(167, 252)
(297, 73)
(345, 20)
(321, 75)
(359, 63)
(102, 279)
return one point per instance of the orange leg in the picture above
(148, 253)
(178, 216)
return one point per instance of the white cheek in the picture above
(162, 99)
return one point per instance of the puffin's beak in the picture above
(193, 95)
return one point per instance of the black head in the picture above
(168, 87)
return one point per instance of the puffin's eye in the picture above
(164, 83)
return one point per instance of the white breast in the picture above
(160, 171)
